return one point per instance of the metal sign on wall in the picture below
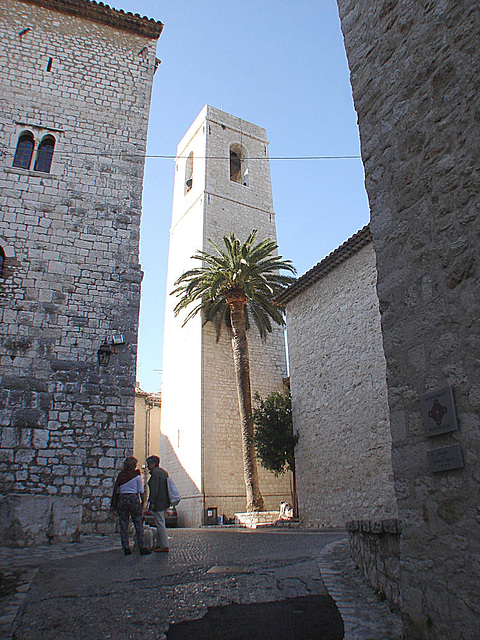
(445, 458)
(438, 411)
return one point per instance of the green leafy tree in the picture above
(274, 438)
(235, 283)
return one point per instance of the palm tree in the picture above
(236, 282)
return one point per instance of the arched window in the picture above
(45, 154)
(24, 150)
(235, 166)
(238, 165)
(189, 173)
(2, 260)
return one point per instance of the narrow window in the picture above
(238, 165)
(24, 151)
(235, 167)
(2, 260)
(45, 154)
(49, 64)
(189, 173)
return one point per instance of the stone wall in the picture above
(414, 71)
(339, 397)
(375, 549)
(201, 433)
(71, 276)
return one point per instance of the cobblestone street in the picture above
(90, 590)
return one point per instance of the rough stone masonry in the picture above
(75, 78)
(415, 69)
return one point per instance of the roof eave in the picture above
(325, 266)
(102, 13)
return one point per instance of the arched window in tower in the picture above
(2, 260)
(189, 173)
(24, 151)
(238, 165)
(45, 154)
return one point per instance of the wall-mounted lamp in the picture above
(108, 347)
(104, 354)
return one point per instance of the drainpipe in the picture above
(149, 407)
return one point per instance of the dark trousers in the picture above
(129, 506)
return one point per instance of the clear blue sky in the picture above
(282, 66)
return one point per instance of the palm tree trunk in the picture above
(242, 375)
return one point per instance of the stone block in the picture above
(29, 520)
(9, 438)
(392, 525)
(40, 438)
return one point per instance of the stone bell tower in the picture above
(222, 184)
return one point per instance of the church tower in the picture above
(222, 184)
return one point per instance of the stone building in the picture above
(76, 80)
(146, 434)
(415, 69)
(339, 390)
(222, 184)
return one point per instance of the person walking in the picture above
(158, 500)
(128, 500)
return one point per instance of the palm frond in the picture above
(253, 269)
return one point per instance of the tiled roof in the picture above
(152, 397)
(100, 12)
(328, 264)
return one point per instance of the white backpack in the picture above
(173, 495)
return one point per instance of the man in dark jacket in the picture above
(159, 500)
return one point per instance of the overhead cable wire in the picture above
(125, 154)
(261, 157)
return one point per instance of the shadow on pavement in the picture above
(304, 618)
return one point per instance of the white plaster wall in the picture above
(181, 441)
(337, 373)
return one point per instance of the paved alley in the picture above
(214, 581)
